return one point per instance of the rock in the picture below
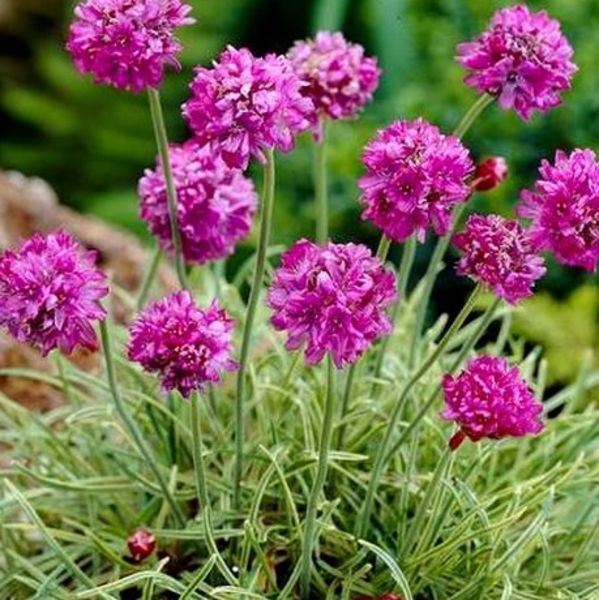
(28, 205)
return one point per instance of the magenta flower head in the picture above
(331, 298)
(414, 176)
(564, 208)
(523, 59)
(186, 346)
(338, 77)
(498, 253)
(489, 399)
(244, 106)
(50, 292)
(216, 203)
(127, 43)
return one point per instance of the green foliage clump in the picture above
(496, 520)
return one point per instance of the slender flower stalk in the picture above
(472, 114)
(132, 426)
(382, 252)
(405, 268)
(149, 277)
(321, 186)
(310, 537)
(171, 193)
(202, 489)
(443, 242)
(383, 448)
(259, 268)
(468, 345)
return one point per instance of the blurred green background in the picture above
(92, 143)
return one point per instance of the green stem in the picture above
(429, 279)
(383, 448)
(321, 188)
(383, 249)
(171, 193)
(405, 268)
(468, 345)
(202, 490)
(66, 384)
(472, 114)
(443, 242)
(259, 268)
(349, 382)
(134, 430)
(149, 277)
(382, 252)
(310, 538)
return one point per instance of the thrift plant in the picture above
(332, 464)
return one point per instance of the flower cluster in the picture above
(338, 77)
(49, 293)
(331, 298)
(489, 399)
(523, 59)
(215, 203)
(127, 43)
(564, 208)
(414, 176)
(498, 253)
(245, 106)
(188, 347)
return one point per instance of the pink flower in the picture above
(414, 176)
(216, 203)
(186, 346)
(245, 105)
(127, 43)
(338, 78)
(523, 60)
(489, 399)
(564, 208)
(331, 298)
(499, 254)
(49, 293)
(489, 174)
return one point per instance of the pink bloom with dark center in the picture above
(216, 203)
(186, 346)
(489, 399)
(50, 292)
(499, 254)
(338, 77)
(523, 59)
(244, 106)
(331, 298)
(489, 173)
(564, 208)
(414, 176)
(127, 43)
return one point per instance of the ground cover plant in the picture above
(295, 429)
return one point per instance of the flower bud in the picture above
(141, 544)
(489, 174)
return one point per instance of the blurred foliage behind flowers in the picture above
(92, 143)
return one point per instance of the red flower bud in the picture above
(489, 174)
(141, 544)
